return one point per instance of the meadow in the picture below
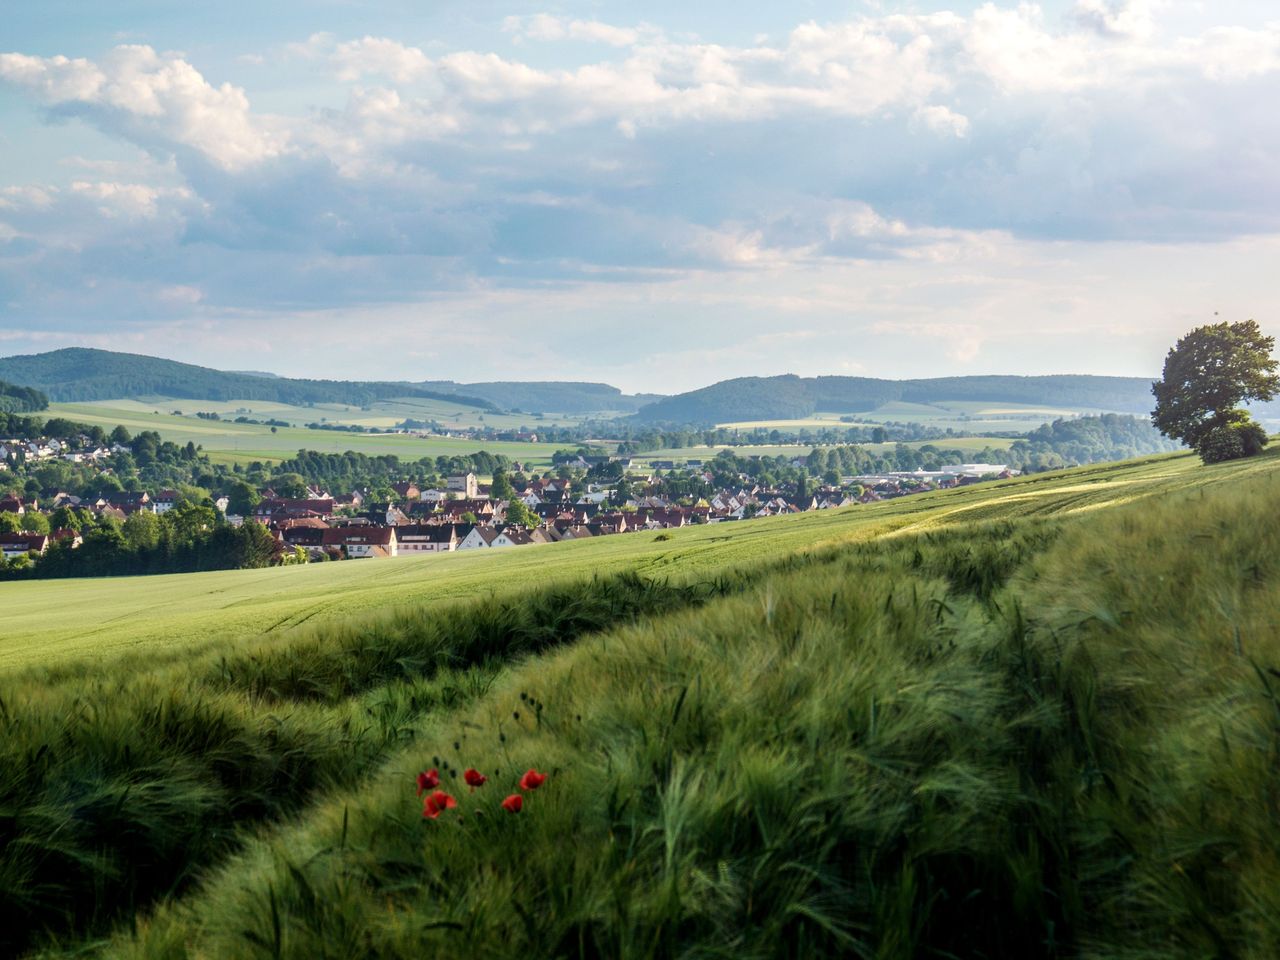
(962, 416)
(1030, 718)
(229, 442)
(381, 414)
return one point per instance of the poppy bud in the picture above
(513, 803)
(427, 780)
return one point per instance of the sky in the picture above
(656, 196)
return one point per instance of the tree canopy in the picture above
(1207, 375)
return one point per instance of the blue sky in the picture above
(492, 190)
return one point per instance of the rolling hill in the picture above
(790, 397)
(78, 374)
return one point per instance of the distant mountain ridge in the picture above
(790, 397)
(79, 374)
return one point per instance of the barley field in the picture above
(1031, 718)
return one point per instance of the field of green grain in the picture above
(228, 442)
(1030, 718)
(55, 619)
(380, 414)
(960, 415)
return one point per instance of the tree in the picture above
(291, 485)
(64, 518)
(521, 515)
(10, 523)
(501, 489)
(33, 522)
(1207, 374)
(242, 499)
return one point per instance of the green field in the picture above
(382, 414)
(1038, 717)
(964, 444)
(963, 416)
(53, 619)
(228, 442)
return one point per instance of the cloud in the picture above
(149, 98)
(545, 27)
(611, 165)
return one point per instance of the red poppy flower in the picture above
(436, 803)
(474, 778)
(513, 803)
(428, 780)
(532, 780)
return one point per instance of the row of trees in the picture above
(192, 536)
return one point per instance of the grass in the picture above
(228, 442)
(381, 414)
(54, 621)
(1034, 718)
(959, 415)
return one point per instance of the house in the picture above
(128, 501)
(512, 537)
(352, 501)
(361, 542)
(276, 508)
(66, 536)
(416, 538)
(12, 504)
(14, 545)
(165, 501)
(482, 509)
(479, 538)
(464, 484)
(408, 490)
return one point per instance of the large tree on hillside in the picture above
(1207, 374)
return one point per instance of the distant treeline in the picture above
(350, 470)
(16, 399)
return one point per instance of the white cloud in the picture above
(127, 199)
(149, 96)
(943, 120)
(545, 27)
(372, 56)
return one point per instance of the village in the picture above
(463, 513)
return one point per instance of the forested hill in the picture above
(790, 397)
(557, 396)
(15, 399)
(79, 374)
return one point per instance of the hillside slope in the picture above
(848, 733)
(1048, 736)
(78, 375)
(792, 397)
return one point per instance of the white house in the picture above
(478, 538)
(427, 538)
